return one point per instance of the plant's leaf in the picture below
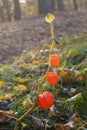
(74, 98)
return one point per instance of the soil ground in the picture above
(33, 32)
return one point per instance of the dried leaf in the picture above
(77, 120)
(80, 78)
(5, 116)
(33, 55)
(58, 127)
(67, 126)
(63, 73)
(7, 96)
(36, 62)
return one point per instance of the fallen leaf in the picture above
(5, 116)
(63, 73)
(7, 96)
(1, 83)
(36, 62)
(67, 126)
(80, 78)
(58, 127)
(19, 80)
(37, 121)
(77, 120)
(21, 87)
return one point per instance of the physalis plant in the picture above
(45, 99)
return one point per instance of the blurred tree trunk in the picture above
(52, 5)
(17, 10)
(60, 4)
(35, 7)
(75, 4)
(6, 7)
(85, 4)
(46, 6)
(2, 14)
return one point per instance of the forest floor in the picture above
(33, 32)
(23, 77)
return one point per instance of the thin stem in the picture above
(82, 126)
(25, 114)
(45, 75)
(51, 49)
(16, 125)
(22, 117)
(12, 117)
(42, 80)
(52, 31)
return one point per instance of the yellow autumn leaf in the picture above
(36, 62)
(80, 78)
(18, 79)
(25, 102)
(3, 97)
(49, 18)
(77, 120)
(1, 83)
(7, 96)
(21, 87)
(25, 66)
(63, 73)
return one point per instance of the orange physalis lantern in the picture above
(52, 78)
(45, 100)
(55, 60)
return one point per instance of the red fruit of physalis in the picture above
(45, 100)
(52, 78)
(55, 60)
